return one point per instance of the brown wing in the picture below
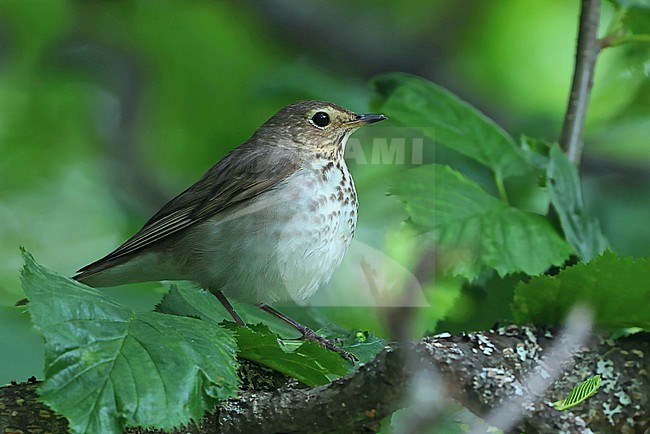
(241, 175)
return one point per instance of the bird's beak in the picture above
(365, 119)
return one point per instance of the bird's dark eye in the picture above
(321, 119)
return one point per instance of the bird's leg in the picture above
(222, 298)
(309, 334)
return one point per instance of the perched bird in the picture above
(269, 222)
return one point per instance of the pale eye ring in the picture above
(321, 119)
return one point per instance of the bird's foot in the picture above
(310, 335)
(330, 344)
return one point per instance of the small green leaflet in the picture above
(579, 393)
(107, 367)
(582, 231)
(475, 231)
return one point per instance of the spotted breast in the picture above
(315, 240)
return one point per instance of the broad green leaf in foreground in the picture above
(441, 115)
(107, 366)
(616, 288)
(580, 393)
(582, 231)
(306, 361)
(475, 231)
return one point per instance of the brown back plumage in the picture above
(232, 180)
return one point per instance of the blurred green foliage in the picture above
(612, 286)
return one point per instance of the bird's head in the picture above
(315, 126)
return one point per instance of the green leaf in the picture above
(188, 300)
(579, 393)
(616, 288)
(107, 366)
(582, 231)
(476, 232)
(305, 361)
(442, 116)
(185, 300)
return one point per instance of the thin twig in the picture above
(586, 54)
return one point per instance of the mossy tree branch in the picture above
(481, 370)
